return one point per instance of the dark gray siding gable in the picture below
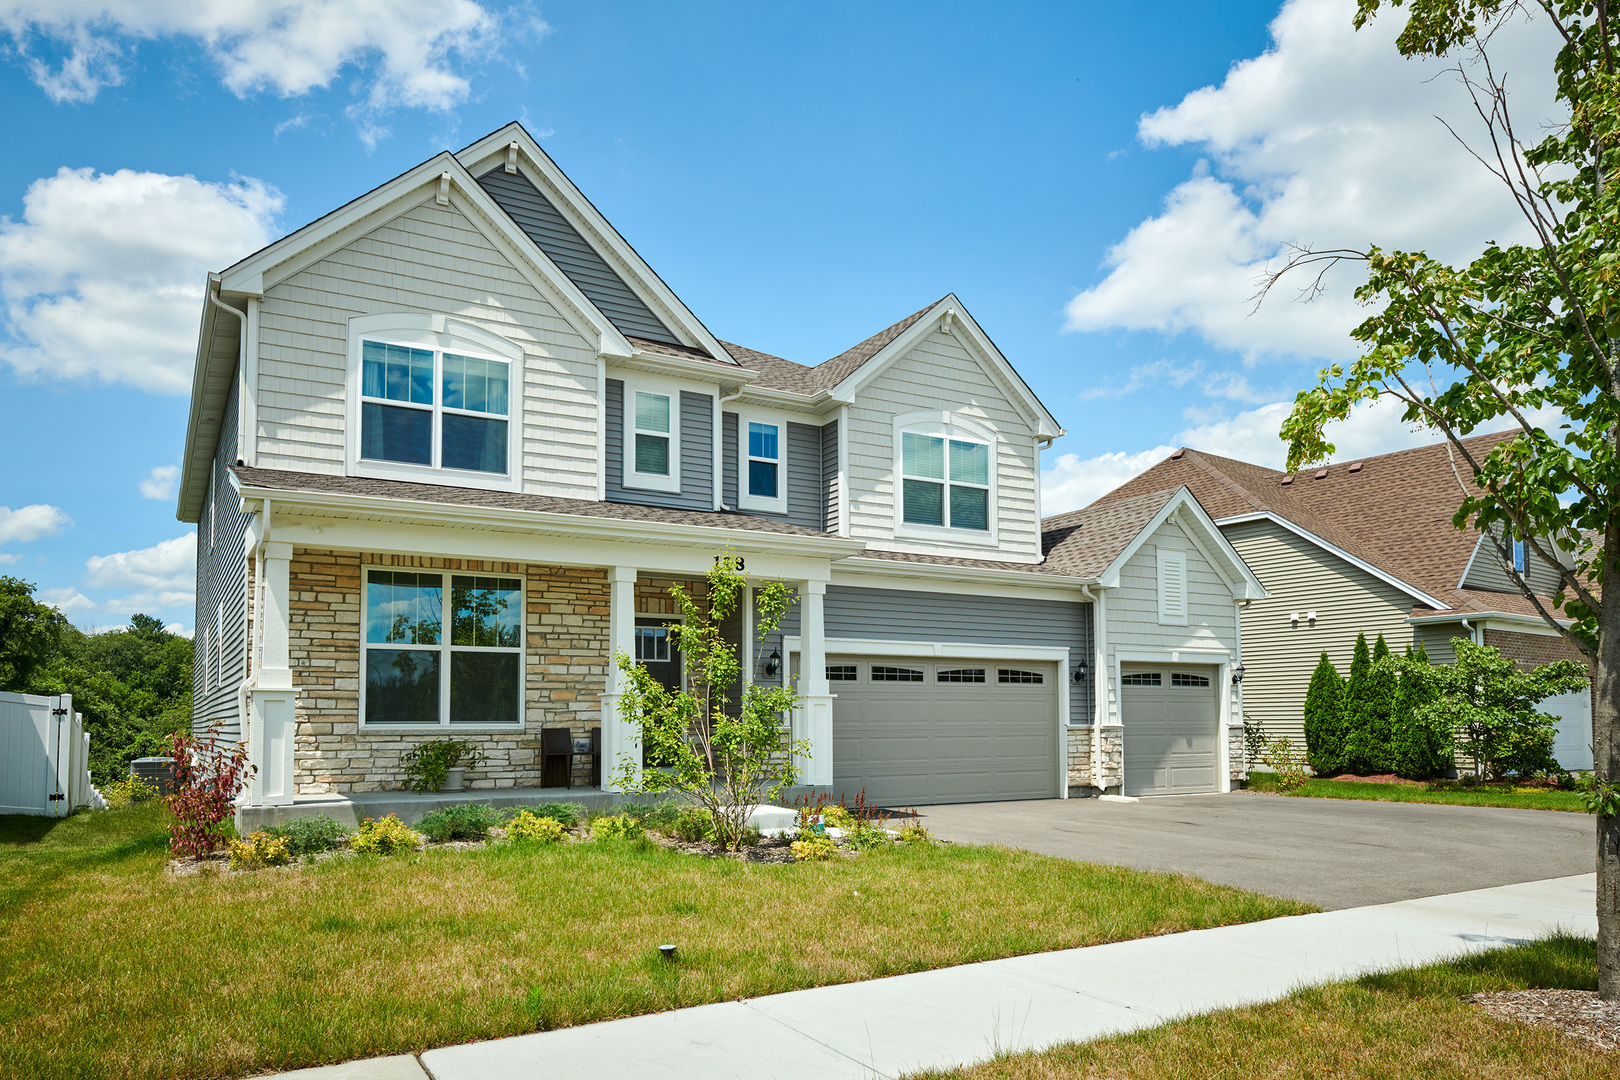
(544, 224)
(904, 615)
(697, 454)
(806, 473)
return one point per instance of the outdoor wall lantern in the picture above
(774, 663)
(1237, 675)
(1080, 672)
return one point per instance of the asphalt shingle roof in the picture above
(775, 373)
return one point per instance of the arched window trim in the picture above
(949, 425)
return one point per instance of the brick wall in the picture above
(1532, 650)
(566, 637)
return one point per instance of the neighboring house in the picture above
(450, 445)
(1368, 546)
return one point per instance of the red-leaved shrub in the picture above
(208, 775)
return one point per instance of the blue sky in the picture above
(1097, 184)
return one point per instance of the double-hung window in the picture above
(763, 454)
(652, 451)
(945, 480)
(431, 407)
(421, 672)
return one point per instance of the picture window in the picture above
(945, 481)
(430, 407)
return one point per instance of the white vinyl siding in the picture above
(432, 260)
(938, 373)
(1279, 654)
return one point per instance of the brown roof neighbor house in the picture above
(1365, 546)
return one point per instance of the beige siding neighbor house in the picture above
(1368, 547)
(456, 442)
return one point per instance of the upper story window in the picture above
(762, 453)
(652, 435)
(1518, 556)
(433, 395)
(945, 481)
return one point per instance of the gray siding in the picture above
(806, 472)
(221, 581)
(697, 454)
(905, 615)
(540, 219)
(1488, 572)
(829, 475)
(1435, 639)
(1279, 654)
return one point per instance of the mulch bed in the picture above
(1382, 778)
(769, 850)
(1577, 1013)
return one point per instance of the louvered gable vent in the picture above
(1173, 587)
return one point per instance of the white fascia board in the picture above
(997, 365)
(945, 575)
(1477, 617)
(1183, 501)
(729, 379)
(199, 376)
(1472, 555)
(1333, 549)
(652, 532)
(1205, 535)
(949, 650)
(818, 404)
(491, 151)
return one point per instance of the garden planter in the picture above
(455, 779)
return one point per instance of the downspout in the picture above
(720, 450)
(241, 405)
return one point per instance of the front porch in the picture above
(326, 730)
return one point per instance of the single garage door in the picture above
(1169, 715)
(913, 732)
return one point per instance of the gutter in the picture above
(857, 564)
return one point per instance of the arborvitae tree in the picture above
(1324, 719)
(1419, 751)
(1355, 705)
(1368, 727)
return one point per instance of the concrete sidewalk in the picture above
(952, 1016)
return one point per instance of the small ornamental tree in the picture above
(1418, 751)
(725, 760)
(1324, 718)
(1486, 702)
(1369, 731)
(208, 776)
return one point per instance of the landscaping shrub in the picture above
(386, 837)
(835, 816)
(127, 792)
(208, 776)
(427, 763)
(1358, 708)
(692, 824)
(1369, 735)
(565, 814)
(311, 835)
(1418, 751)
(1324, 718)
(462, 821)
(1287, 762)
(865, 836)
(617, 827)
(915, 835)
(258, 851)
(813, 847)
(530, 828)
(660, 815)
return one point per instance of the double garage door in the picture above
(1170, 715)
(914, 732)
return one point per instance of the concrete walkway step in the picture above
(953, 1016)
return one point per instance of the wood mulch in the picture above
(1381, 778)
(768, 850)
(1577, 1013)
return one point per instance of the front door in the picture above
(657, 652)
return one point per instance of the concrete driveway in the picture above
(1331, 852)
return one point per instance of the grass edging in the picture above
(1565, 801)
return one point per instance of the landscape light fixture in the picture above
(668, 951)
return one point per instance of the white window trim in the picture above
(219, 644)
(1163, 559)
(745, 501)
(444, 648)
(440, 334)
(649, 481)
(949, 425)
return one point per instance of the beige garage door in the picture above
(913, 732)
(1169, 713)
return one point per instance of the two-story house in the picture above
(450, 444)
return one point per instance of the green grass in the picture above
(1410, 1023)
(111, 968)
(1350, 789)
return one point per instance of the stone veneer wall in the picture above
(566, 639)
(1111, 768)
(1237, 767)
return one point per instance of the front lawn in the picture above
(1406, 1024)
(110, 967)
(1536, 799)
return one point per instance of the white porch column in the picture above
(815, 711)
(272, 698)
(620, 738)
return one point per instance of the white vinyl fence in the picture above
(44, 757)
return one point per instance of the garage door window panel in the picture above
(895, 674)
(962, 675)
(1007, 676)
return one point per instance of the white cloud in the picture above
(6, 559)
(1158, 373)
(1328, 139)
(67, 600)
(161, 482)
(27, 523)
(178, 630)
(1072, 482)
(406, 52)
(167, 569)
(103, 275)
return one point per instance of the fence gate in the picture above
(44, 757)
